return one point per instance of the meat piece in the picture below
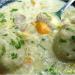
(19, 21)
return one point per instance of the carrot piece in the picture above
(42, 27)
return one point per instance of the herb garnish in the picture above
(42, 46)
(43, 39)
(47, 15)
(2, 50)
(14, 55)
(21, 39)
(19, 0)
(2, 18)
(52, 70)
(5, 34)
(13, 10)
(73, 38)
(70, 29)
(16, 44)
(63, 40)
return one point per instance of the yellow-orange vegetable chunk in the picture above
(42, 27)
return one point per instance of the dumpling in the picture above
(12, 50)
(64, 44)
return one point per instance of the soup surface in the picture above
(27, 32)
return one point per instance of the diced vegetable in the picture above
(42, 27)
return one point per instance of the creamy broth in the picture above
(27, 30)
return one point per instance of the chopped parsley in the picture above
(73, 38)
(14, 55)
(42, 46)
(32, 42)
(16, 44)
(73, 50)
(2, 50)
(47, 15)
(2, 18)
(1, 15)
(19, 1)
(21, 39)
(5, 34)
(13, 10)
(70, 29)
(52, 70)
(43, 39)
(63, 40)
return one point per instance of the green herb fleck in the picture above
(73, 38)
(5, 34)
(2, 50)
(43, 39)
(21, 39)
(46, 14)
(69, 29)
(16, 44)
(19, 1)
(63, 40)
(42, 47)
(73, 50)
(1, 15)
(52, 70)
(32, 42)
(14, 55)
(2, 18)
(13, 10)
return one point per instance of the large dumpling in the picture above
(64, 44)
(12, 50)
